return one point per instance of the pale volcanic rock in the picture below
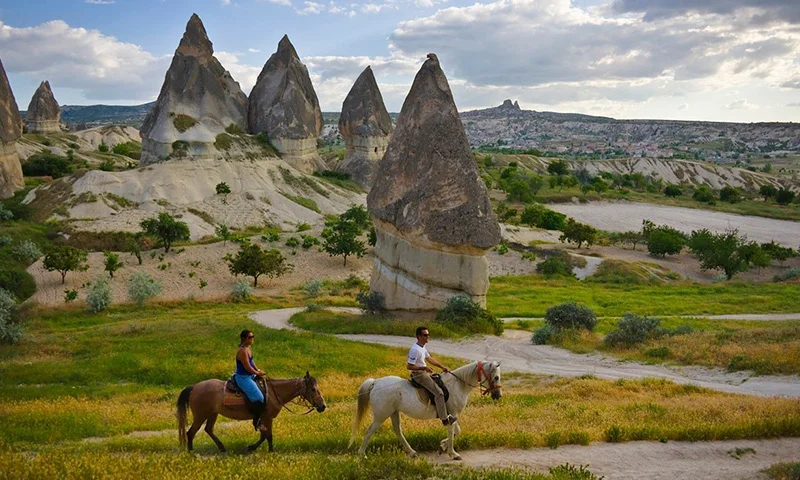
(283, 104)
(198, 101)
(366, 128)
(44, 114)
(432, 215)
(10, 132)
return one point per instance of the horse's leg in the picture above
(197, 422)
(212, 419)
(451, 430)
(376, 424)
(266, 434)
(399, 431)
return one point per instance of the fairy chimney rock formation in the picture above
(198, 101)
(44, 114)
(283, 105)
(366, 128)
(432, 215)
(10, 131)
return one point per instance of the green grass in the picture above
(531, 296)
(19, 231)
(324, 321)
(783, 471)
(183, 122)
(304, 201)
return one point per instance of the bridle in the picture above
(492, 387)
(303, 394)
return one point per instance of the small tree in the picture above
(673, 191)
(576, 232)
(665, 240)
(767, 191)
(703, 194)
(559, 167)
(142, 286)
(570, 315)
(359, 215)
(726, 251)
(112, 263)
(10, 328)
(102, 148)
(729, 194)
(166, 229)
(222, 231)
(632, 238)
(784, 196)
(341, 238)
(251, 261)
(63, 259)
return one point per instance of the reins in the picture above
(284, 405)
(479, 370)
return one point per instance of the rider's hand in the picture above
(429, 369)
(445, 370)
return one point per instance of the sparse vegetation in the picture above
(303, 201)
(461, 313)
(111, 263)
(183, 122)
(166, 229)
(64, 259)
(141, 287)
(99, 295)
(223, 141)
(252, 261)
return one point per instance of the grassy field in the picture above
(325, 321)
(531, 296)
(767, 348)
(87, 395)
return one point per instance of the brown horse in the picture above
(205, 400)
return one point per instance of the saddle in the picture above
(234, 395)
(423, 392)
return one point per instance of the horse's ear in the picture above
(307, 374)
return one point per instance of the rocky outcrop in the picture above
(283, 105)
(198, 101)
(10, 131)
(44, 114)
(366, 128)
(432, 215)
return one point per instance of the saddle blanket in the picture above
(232, 399)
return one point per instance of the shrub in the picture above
(128, 149)
(371, 303)
(99, 296)
(570, 315)
(703, 194)
(10, 329)
(70, 295)
(112, 263)
(234, 129)
(292, 242)
(576, 232)
(354, 281)
(502, 249)
(313, 307)
(633, 330)
(18, 282)
(729, 194)
(183, 122)
(242, 291)
(673, 191)
(142, 286)
(665, 240)
(784, 196)
(102, 148)
(313, 288)
(556, 265)
(309, 241)
(543, 335)
(462, 312)
(767, 191)
(223, 141)
(27, 251)
(271, 237)
(302, 227)
(777, 252)
(787, 274)
(5, 214)
(222, 188)
(4, 240)
(46, 164)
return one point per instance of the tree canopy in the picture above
(166, 229)
(63, 259)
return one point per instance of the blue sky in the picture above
(730, 60)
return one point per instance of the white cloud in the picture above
(245, 74)
(740, 104)
(311, 8)
(285, 3)
(253, 50)
(101, 66)
(683, 106)
(225, 3)
(100, 2)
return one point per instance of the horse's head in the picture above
(312, 394)
(491, 375)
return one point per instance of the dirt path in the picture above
(650, 460)
(622, 216)
(518, 354)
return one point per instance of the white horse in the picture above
(389, 396)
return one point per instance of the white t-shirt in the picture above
(417, 355)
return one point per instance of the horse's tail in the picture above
(183, 403)
(363, 404)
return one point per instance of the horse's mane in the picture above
(466, 371)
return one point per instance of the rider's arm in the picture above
(435, 363)
(242, 356)
(413, 367)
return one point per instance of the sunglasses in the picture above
(425, 335)
(251, 336)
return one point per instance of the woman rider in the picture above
(246, 372)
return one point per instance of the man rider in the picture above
(421, 373)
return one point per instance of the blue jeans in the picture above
(248, 384)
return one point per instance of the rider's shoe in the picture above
(256, 423)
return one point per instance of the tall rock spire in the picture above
(43, 114)
(284, 105)
(432, 215)
(199, 100)
(10, 131)
(366, 127)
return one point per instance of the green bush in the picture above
(787, 274)
(371, 303)
(10, 329)
(556, 265)
(128, 149)
(309, 241)
(729, 194)
(543, 335)
(313, 288)
(777, 252)
(102, 148)
(633, 330)
(223, 141)
(784, 196)
(27, 251)
(570, 315)
(183, 122)
(460, 312)
(99, 296)
(46, 164)
(665, 240)
(703, 194)
(673, 191)
(142, 286)
(292, 242)
(18, 282)
(242, 291)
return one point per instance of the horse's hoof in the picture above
(413, 454)
(457, 457)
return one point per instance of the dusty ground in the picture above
(623, 216)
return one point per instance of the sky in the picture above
(721, 60)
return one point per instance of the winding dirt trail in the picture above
(517, 353)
